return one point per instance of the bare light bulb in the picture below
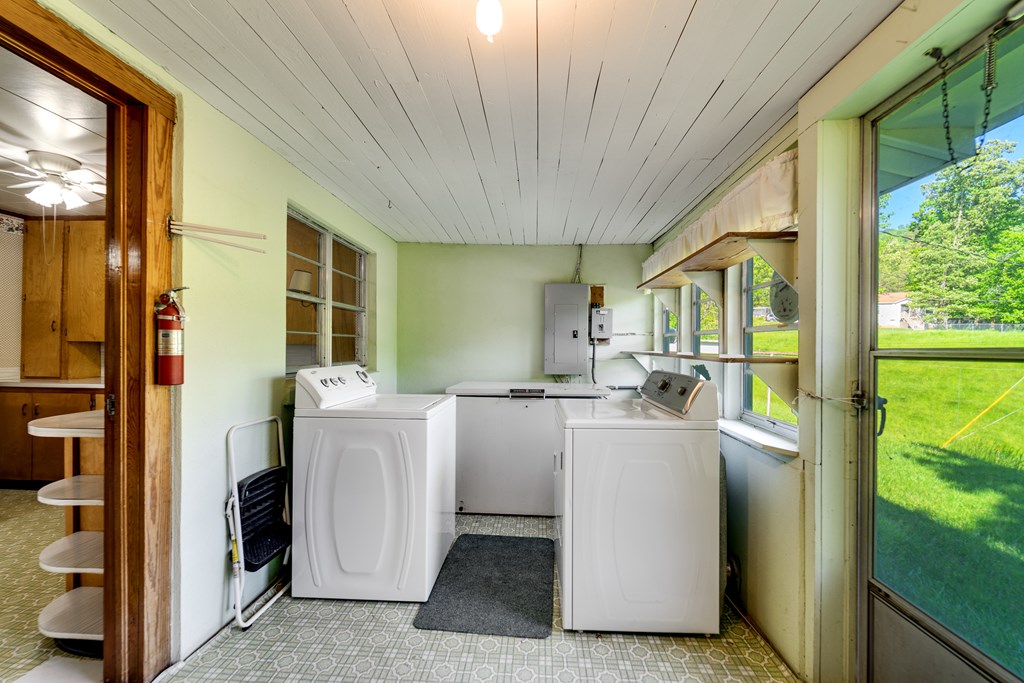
(488, 18)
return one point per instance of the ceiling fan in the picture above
(57, 179)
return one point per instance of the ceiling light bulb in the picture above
(488, 18)
(71, 200)
(47, 194)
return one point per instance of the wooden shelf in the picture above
(728, 250)
(79, 553)
(77, 614)
(82, 489)
(713, 358)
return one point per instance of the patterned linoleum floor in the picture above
(26, 527)
(327, 640)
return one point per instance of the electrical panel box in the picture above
(566, 314)
(601, 324)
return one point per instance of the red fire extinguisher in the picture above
(170, 339)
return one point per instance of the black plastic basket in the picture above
(261, 498)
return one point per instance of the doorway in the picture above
(136, 459)
(943, 473)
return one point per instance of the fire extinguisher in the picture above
(170, 339)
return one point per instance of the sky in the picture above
(906, 200)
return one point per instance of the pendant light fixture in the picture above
(488, 18)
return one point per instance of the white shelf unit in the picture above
(79, 553)
(81, 489)
(78, 613)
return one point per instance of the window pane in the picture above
(346, 290)
(302, 336)
(949, 509)
(300, 282)
(783, 342)
(346, 331)
(303, 265)
(346, 259)
(764, 401)
(303, 240)
(951, 236)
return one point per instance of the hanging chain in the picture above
(988, 84)
(937, 54)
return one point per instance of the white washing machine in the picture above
(373, 488)
(637, 510)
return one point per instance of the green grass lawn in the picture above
(949, 521)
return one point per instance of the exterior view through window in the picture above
(947, 354)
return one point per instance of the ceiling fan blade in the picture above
(83, 176)
(87, 196)
(22, 186)
(22, 171)
(98, 188)
(19, 174)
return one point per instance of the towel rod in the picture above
(189, 230)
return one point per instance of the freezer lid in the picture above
(630, 414)
(529, 389)
(385, 406)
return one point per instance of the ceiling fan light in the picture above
(47, 194)
(71, 199)
(488, 18)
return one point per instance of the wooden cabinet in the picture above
(42, 281)
(15, 443)
(30, 458)
(63, 304)
(84, 280)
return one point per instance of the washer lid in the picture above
(632, 414)
(529, 389)
(385, 406)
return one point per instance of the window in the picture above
(945, 361)
(323, 329)
(764, 334)
(705, 322)
(669, 330)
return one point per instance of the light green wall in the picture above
(234, 338)
(477, 312)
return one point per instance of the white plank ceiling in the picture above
(586, 121)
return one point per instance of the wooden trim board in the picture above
(141, 114)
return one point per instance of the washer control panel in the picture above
(326, 387)
(671, 390)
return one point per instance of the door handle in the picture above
(53, 326)
(880, 406)
(24, 407)
(35, 412)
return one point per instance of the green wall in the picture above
(471, 312)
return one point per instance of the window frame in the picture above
(698, 297)
(748, 329)
(325, 304)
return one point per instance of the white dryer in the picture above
(637, 510)
(373, 484)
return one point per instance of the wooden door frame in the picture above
(137, 459)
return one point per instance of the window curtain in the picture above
(764, 201)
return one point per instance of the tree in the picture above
(966, 237)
